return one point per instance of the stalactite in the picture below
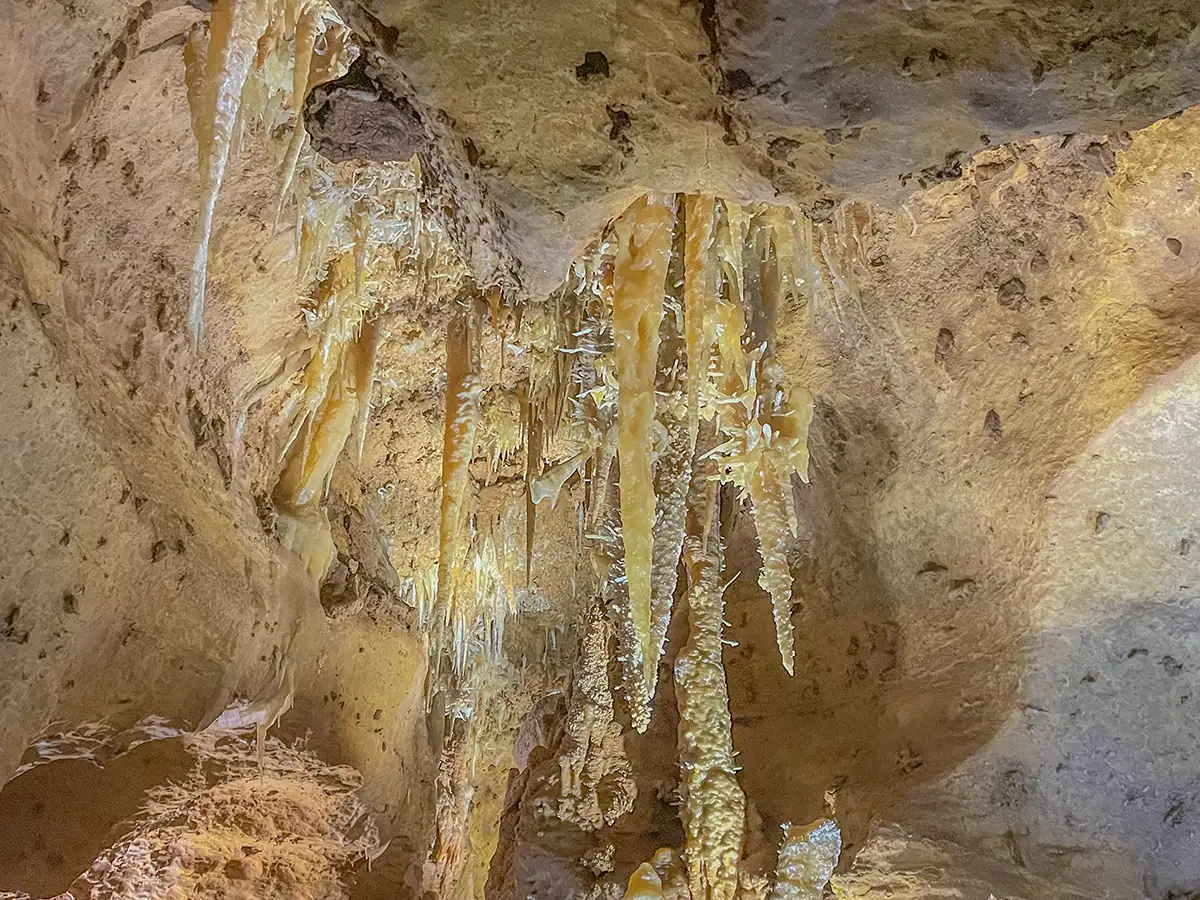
(534, 444)
(234, 29)
(306, 38)
(605, 453)
(807, 857)
(360, 233)
(332, 57)
(673, 474)
(195, 65)
(765, 431)
(699, 294)
(609, 562)
(324, 428)
(371, 335)
(463, 390)
(639, 276)
(769, 496)
(499, 428)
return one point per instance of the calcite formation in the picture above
(807, 856)
(593, 752)
(639, 284)
(435, 380)
(714, 807)
(218, 63)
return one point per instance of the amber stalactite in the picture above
(463, 390)
(232, 46)
(639, 278)
(306, 38)
(699, 293)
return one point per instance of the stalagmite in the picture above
(453, 790)
(234, 29)
(644, 884)
(639, 277)
(463, 390)
(807, 857)
(593, 747)
(714, 807)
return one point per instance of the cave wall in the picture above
(1002, 365)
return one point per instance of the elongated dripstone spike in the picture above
(770, 498)
(195, 65)
(307, 28)
(639, 277)
(302, 524)
(673, 474)
(234, 29)
(369, 339)
(698, 296)
(463, 390)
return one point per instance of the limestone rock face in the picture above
(994, 560)
(877, 97)
(571, 114)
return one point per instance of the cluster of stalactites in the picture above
(692, 295)
(239, 67)
(558, 404)
(359, 233)
(474, 588)
(359, 230)
(666, 321)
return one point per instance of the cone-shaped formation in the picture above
(236, 70)
(593, 755)
(216, 71)
(463, 390)
(639, 279)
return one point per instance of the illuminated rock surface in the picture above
(903, 397)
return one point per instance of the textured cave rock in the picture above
(230, 822)
(997, 566)
(897, 863)
(875, 97)
(811, 100)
